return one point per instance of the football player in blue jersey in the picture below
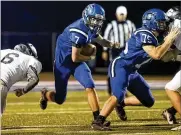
(141, 48)
(70, 61)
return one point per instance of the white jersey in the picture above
(14, 66)
(177, 23)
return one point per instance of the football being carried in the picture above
(89, 50)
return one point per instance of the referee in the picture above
(117, 31)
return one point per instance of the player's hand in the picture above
(104, 55)
(174, 32)
(116, 45)
(92, 57)
(19, 92)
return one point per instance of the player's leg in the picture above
(137, 86)
(109, 86)
(173, 90)
(113, 53)
(82, 74)
(4, 92)
(119, 82)
(61, 75)
(141, 91)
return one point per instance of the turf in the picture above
(24, 117)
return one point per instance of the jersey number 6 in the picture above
(9, 58)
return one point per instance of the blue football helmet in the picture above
(28, 49)
(94, 16)
(155, 20)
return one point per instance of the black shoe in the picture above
(169, 117)
(121, 112)
(97, 125)
(107, 123)
(43, 99)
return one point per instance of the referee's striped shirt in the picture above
(119, 32)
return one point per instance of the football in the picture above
(88, 50)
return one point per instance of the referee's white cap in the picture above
(121, 10)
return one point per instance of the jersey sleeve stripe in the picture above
(146, 31)
(79, 31)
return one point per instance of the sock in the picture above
(96, 114)
(172, 110)
(50, 96)
(101, 118)
(121, 104)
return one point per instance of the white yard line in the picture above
(72, 111)
(37, 103)
(134, 134)
(27, 129)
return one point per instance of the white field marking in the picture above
(77, 109)
(51, 109)
(70, 112)
(49, 126)
(134, 134)
(4, 130)
(37, 103)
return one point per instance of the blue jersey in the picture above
(134, 55)
(77, 34)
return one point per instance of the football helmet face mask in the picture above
(28, 49)
(155, 20)
(174, 13)
(94, 16)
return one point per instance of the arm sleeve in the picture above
(34, 69)
(32, 78)
(107, 34)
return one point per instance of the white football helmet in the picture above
(28, 49)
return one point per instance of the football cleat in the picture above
(97, 125)
(176, 128)
(107, 123)
(169, 117)
(121, 112)
(43, 99)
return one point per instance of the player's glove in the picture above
(92, 57)
(116, 45)
(19, 92)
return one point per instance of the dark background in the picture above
(35, 21)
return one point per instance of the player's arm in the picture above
(170, 55)
(158, 52)
(77, 56)
(78, 39)
(106, 43)
(33, 79)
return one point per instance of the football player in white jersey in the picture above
(17, 65)
(173, 88)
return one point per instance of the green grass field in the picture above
(24, 117)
